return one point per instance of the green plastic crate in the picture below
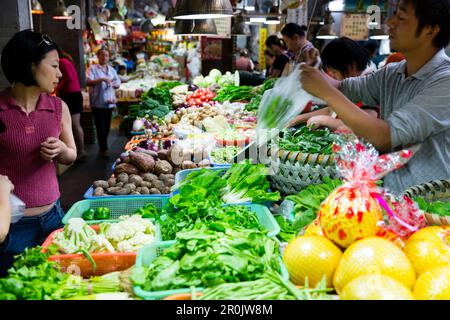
(118, 207)
(145, 257)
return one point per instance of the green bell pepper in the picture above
(102, 213)
(89, 214)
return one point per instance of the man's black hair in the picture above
(433, 13)
(22, 50)
(273, 40)
(342, 53)
(292, 29)
(371, 46)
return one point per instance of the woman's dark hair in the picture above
(22, 50)
(433, 13)
(273, 40)
(292, 29)
(64, 54)
(342, 53)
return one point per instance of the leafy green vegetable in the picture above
(253, 105)
(308, 141)
(307, 203)
(208, 255)
(161, 95)
(235, 93)
(436, 207)
(224, 155)
(169, 85)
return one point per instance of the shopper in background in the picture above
(276, 46)
(270, 58)
(124, 77)
(70, 92)
(244, 63)
(342, 58)
(294, 36)
(6, 187)
(102, 80)
(35, 133)
(413, 94)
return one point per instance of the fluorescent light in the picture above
(251, 8)
(336, 5)
(258, 20)
(380, 37)
(272, 22)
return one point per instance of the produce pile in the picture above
(306, 140)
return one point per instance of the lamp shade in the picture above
(183, 27)
(60, 12)
(147, 26)
(204, 27)
(239, 26)
(328, 30)
(203, 9)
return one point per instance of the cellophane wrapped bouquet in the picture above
(360, 208)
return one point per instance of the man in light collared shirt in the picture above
(102, 80)
(414, 95)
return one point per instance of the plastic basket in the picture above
(117, 206)
(145, 257)
(105, 262)
(437, 190)
(89, 194)
(298, 170)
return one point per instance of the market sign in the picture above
(354, 26)
(262, 47)
(298, 14)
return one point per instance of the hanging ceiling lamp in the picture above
(147, 26)
(203, 9)
(204, 27)
(60, 12)
(240, 28)
(327, 31)
(169, 15)
(115, 17)
(183, 27)
(36, 7)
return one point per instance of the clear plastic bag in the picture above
(17, 208)
(282, 103)
(360, 208)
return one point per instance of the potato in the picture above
(134, 178)
(135, 193)
(112, 182)
(170, 182)
(123, 177)
(145, 190)
(158, 184)
(175, 155)
(118, 191)
(165, 190)
(101, 183)
(150, 177)
(142, 161)
(163, 154)
(131, 186)
(127, 168)
(146, 184)
(98, 192)
(188, 165)
(138, 189)
(162, 166)
(148, 152)
(154, 191)
(120, 184)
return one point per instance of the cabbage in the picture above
(215, 74)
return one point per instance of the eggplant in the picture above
(192, 87)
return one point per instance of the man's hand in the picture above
(317, 122)
(51, 148)
(311, 57)
(106, 80)
(316, 82)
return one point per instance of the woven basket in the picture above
(438, 190)
(298, 170)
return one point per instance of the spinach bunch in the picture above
(209, 255)
(235, 93)
(308, 141)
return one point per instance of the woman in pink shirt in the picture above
(69, 91)
(35, 133)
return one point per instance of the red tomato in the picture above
(198, 102)
(191, 102)
(202, 97)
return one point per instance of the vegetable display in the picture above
(127, 235)
(33, 277)
(200, 96)
(224, 155)
(235, 93)
(210, 255)
(436, 207)
(270, 286)
(215, 78)
(308, 141)
(253, 105)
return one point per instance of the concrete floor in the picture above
(74, 182)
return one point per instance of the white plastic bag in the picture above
(285, 101)
(17, 208)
